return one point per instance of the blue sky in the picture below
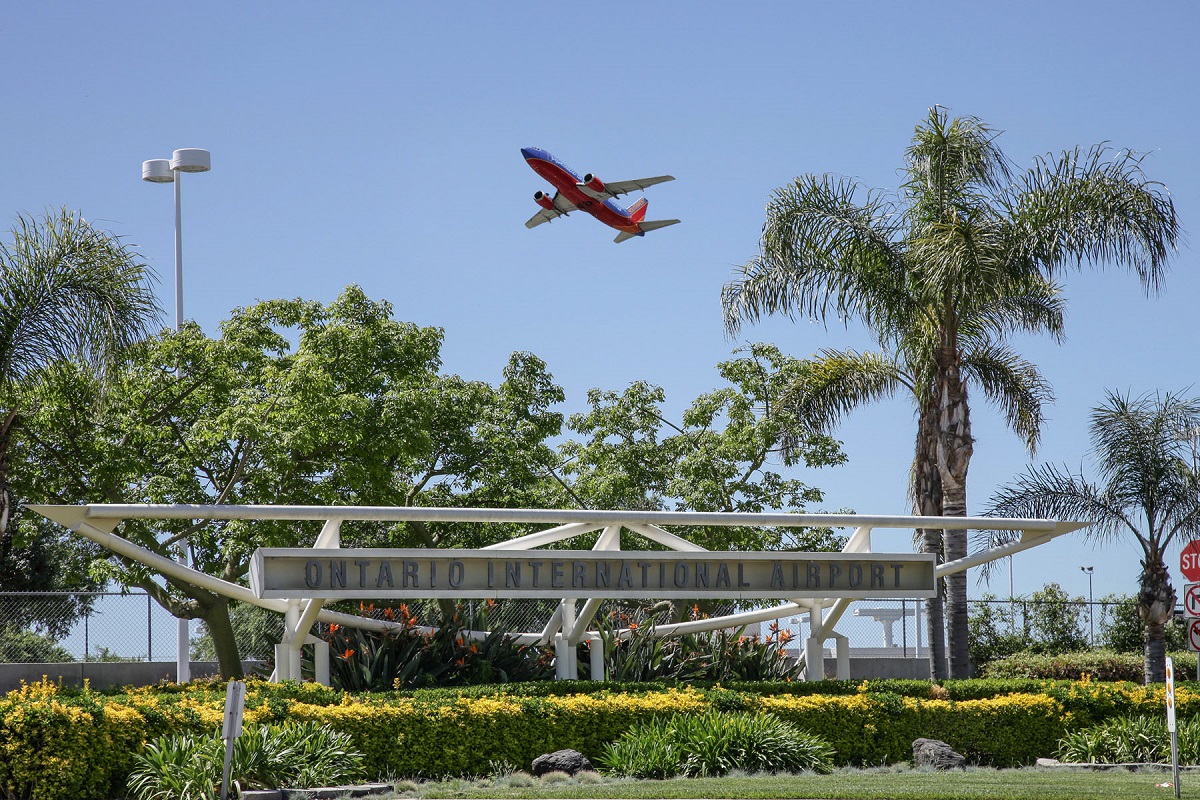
(378, 143)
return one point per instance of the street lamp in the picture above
(162, 170)
(1091, 606)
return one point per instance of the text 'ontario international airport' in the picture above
(412, 573)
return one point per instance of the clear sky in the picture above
(378, 143)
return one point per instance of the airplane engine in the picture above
(593, 183)
(544, 200)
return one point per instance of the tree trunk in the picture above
(1156, 603)
(927, 502)
(214, 610)
(954, 449)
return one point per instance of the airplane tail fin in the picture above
(637, 211)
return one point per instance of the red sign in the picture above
(1189, 560)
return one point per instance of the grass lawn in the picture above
(893, 784)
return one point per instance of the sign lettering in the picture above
(411, 573)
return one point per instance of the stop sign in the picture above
(1189, 560)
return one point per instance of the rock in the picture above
(939, 755)
(1047, 762)
(568, 761)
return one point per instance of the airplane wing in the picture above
(618, 188)
(562, 207)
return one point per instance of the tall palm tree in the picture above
(844, 380)
(1148, 488)
(67, 291)
(964, 233)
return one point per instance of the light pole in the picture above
(162, 170)
(1091, 607)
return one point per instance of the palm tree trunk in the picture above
(1156, 603)
(6, 499)
(954, 449)
(927, 502)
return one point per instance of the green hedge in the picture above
(1100, 665)
(63, 743)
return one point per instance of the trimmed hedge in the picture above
(78, 743)
(1101, 665)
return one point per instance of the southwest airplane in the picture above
(592, 195)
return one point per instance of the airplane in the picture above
(590, 194)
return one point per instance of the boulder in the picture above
(568, 761)
(936, 754)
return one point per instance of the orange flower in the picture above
(633, 626)
(462, 662)
(334, 627)
(347, 654)
(387, 612)
(786, 636)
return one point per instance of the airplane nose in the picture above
(529, 152)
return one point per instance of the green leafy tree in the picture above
(1121, 628)
(1148, 489)
(994, 631)
(295, 403)
(964, 233)
(1053, 619)
(722, 455)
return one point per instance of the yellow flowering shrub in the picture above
(68, 743)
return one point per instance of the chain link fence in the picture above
(115, 626)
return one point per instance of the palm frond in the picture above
(68, 290)
(1096, 206)
(842, 380)
(1014, 385)
(1048, 492)
(821, 254)
(951, 159)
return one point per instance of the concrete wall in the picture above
(866, 667)
(105, 674)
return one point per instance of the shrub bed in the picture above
(78, 743)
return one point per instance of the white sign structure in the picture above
(296, 582)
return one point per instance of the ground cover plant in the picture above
(264, 757)
(714, 743)
(1131, 740)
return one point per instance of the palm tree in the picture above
(67, 291)
(1148, 488)
(963, 234)
(844, 380)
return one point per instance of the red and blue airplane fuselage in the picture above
(567, 182)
